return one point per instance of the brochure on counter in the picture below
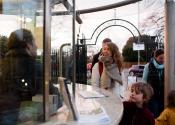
(91, 94)
(92, 112)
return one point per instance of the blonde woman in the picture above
(106, 73)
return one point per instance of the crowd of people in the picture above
(21, 78)
(146, 102)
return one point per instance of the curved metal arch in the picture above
(96, 9)
(114, 20)
(109, 27)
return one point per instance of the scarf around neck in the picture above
(110, 74)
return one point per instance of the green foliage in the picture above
(3, 45)
(132, 56)
(129, 55)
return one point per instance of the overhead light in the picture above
(28, 20)
(25, 19)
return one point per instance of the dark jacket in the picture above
(156, 80)
(19, 75)
(95, 59)
(133, 115)
(20, 79)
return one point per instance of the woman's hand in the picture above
(107, 60)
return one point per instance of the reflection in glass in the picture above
(21, 62)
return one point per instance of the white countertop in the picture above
(111, 104)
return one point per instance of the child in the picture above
(167, 117)
(135, 110)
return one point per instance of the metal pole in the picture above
(47, 57)
(169, 47)
(96, 9)
(74, 49)
(138, 35)
(61, 59)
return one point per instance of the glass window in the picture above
(21, 62)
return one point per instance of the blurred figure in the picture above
(95, 57)
(88, 66)
(106, 73)
(135, 110)
(154, 75)
(167, 117)
(18, 75)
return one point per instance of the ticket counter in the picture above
(91, 108)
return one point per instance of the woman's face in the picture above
(106, 51)
(160, 59)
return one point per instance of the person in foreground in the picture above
(106, 73)
(167, 117)
(135, 109)
(18, 75)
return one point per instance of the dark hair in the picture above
(144, 88)
(171, 99)
(106, 40)
(19, 39)
(158, 52)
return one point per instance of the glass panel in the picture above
(21, 62)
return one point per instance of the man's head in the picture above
(106, 40)
(159, 56)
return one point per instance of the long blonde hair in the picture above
(116, 55)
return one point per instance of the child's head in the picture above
(145, 90)
(171, 99)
